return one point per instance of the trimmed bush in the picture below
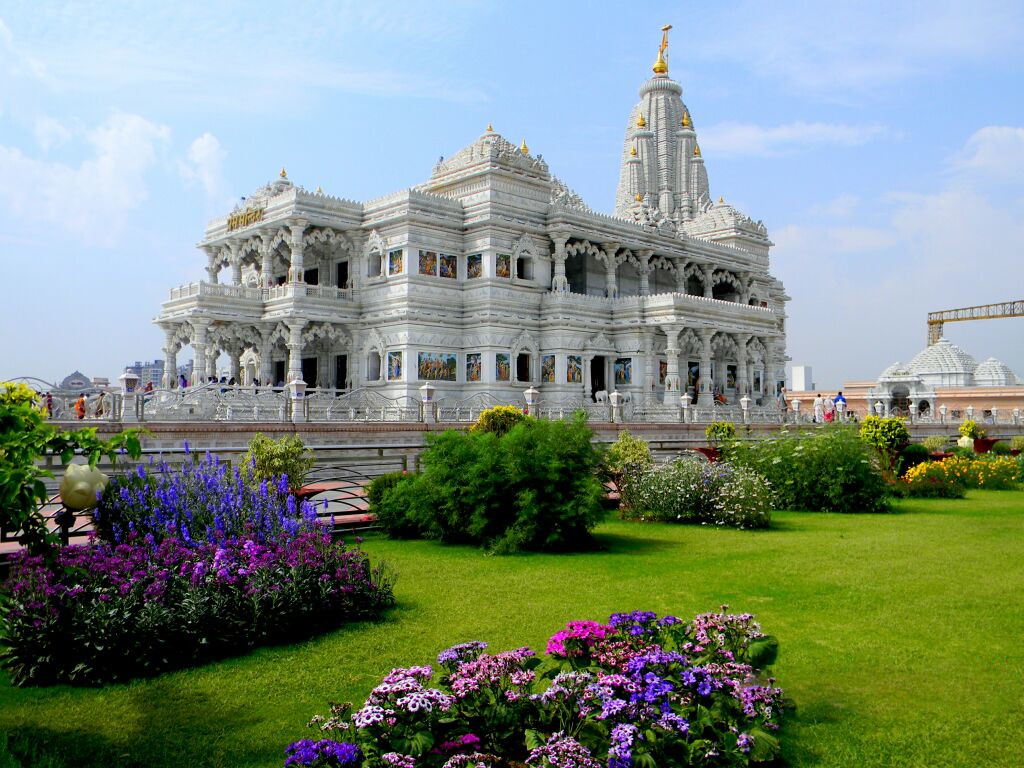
(818, 470)
(1001, 448)
(886, 435)
(267, 460)
(689, 490)
(498, 420)
(718, 432)
(625, 453)
(533, 488)
(912, 455)
(935, 443)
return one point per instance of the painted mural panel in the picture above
(396, 262)
(394, 366)
(449, 266)
(574, 369)
(502, 367)
(437, 366)
(428, 263)
(474, 266)
(503, 265)
(547, 369)
(623, 370)
(693, 374)
(474, 366)
(662, 371)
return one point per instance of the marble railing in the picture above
(286, 291)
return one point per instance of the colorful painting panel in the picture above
(394, 366)
(396, 262)
(502, 367)
(623, 371)
(662, 371)
(449, 266)
(574, 369)
(474, 366)
(692, 374)
(547, 369)
(428, 263)
(503, 265)
(474, 266)
(436, 366)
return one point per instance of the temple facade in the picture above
(493, 275)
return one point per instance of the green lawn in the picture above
(902, 639)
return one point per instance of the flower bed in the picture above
(694, 491)
(638, 690)
(942, 478)
(199, 565)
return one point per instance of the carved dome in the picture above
(944, 364)
(722, 218)
(895, 371)
(490, 149)
(994, 373)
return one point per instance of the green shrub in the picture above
(964, 453)
(718, 432)
(912, 455)
(627, 451)
(390, 516)
(971, 429)
(935, 443)
(829, 471)
(886, 435)
(499, 420)
(533, 488)
(1017, 443)
(268, 459)
(1001, 448)
(689, 490)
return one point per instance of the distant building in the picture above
(942, 374)
(803, 378)
(147, 372)
(76, 380)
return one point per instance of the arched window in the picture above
(373, 366)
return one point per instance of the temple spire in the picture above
(660, 65)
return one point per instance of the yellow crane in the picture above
(982, 312)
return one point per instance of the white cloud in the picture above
(746, 139)
(50, 133)
(93, 200)
(841, 207)
(993, 153)
(205, 166)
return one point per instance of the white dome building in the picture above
(945, 374)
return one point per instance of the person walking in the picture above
(819, 409)
(840, 402)
(80, 407)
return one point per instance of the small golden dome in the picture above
(490, 128)
(641, 121)
(284, 173)
(686, 120)
(696, 150)
(639, 197)
(523, 148)
(660, 66)
(632, 151)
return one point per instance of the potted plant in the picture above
(1017, 445)
(717, 433)
(936, 445)
(970, 431)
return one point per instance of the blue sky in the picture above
(881, 143)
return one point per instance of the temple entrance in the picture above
(309, 371)
(311, 276)
(523, 367)
(341, 371)
(279, 373)
(597, 369)
(900, 401)
(342, 275)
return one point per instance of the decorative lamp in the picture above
(531, 396)
(427, 393)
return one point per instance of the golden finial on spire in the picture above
(660, 65)
(686, 119)
(639, 197)
(319, 189)
(490, 128)
(721, 200)
(696, 150)
(523, 148)
(641, 121)
(284, 173)
(632, 151)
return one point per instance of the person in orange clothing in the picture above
(80, 407)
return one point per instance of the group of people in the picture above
(826, 408)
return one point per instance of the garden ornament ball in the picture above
(79, 486)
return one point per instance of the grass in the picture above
(901, 639)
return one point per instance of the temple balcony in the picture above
(254, 302)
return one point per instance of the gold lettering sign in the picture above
(245, 218)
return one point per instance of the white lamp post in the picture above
(427, 396)
(532, 396)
